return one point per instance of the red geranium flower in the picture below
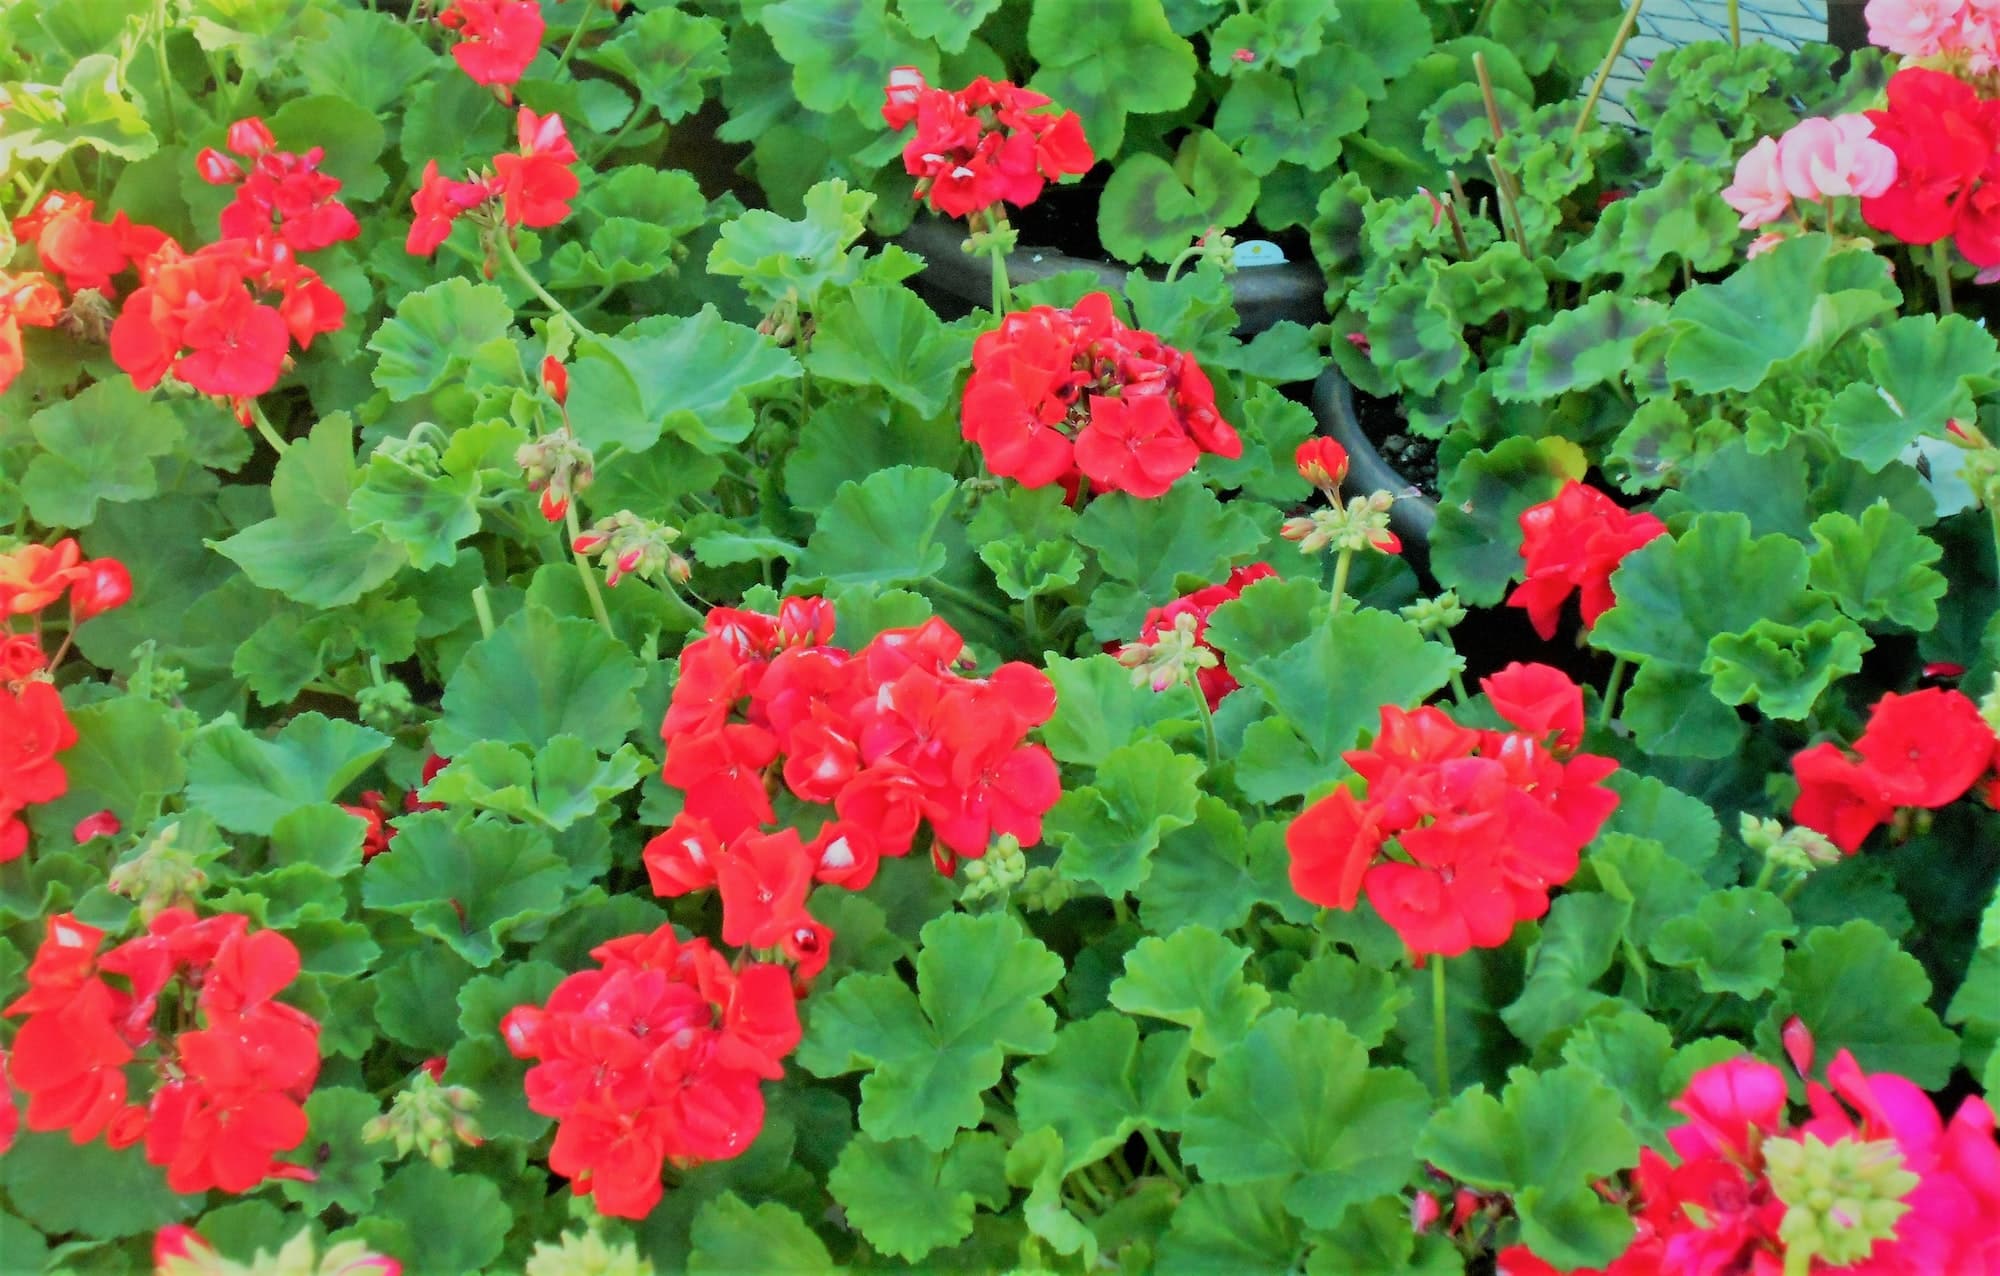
(1538, 700)
(1573, 543)
(34, 576)
(281, 192)
(988, 143)
(1947, 144)
(501, 37)
(1928, 748)
(537, 184)
(28, 300)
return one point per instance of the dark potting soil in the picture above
(1411, 455)
(1065, 219)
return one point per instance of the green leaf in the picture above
(427, 342)
(1100, 1084)
(1926, 370)
(668, 56)
(1362, 999)
(930, 1054)
(130, 754)
(347, 1168)
(775, 256)
(1035, 1162)
(98, 445)
(1145, 545)
(1331, 686)
(882, 531)
(689, 376)
(1782, 669)
(1650, 808)
(1676, 593)
(1856, 990)
(562, 783)
(886, 336)
(1213, 872)
(539, 677)
(44, 1172)
(1104, 58)
(1546, 1140)
(1476, 545)
(1578, 941)
(842, 51)
(467, 883)
(1577, 349)
(97, 112)
(1153, 209)
(849, 438)
(368, 58)
(949, 24)
(350, 135)
(1098, 709)
(907, 1199)
(1631, 1053)
(1108, 829)
(248, 783)
(730, 1238)
(409, 1216)
(1273, 118)
(1734, 941)
(1673, 712)
(426, 514)
(1244, 1231)
(1296, 1100)
(1193, 977)
(309, 550)
(1641, 872)
(1878, 567)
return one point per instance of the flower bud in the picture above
(555, 379)
(1322, 462)
(1424, 1213)
(586, 1255)
(217, 169)
(1798, 1042)
(250, 137)
(101, 824)
(555, 504)
(104, 586)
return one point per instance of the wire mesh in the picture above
(1669, 24)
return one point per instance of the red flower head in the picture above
(1573, 543)
(34, 728)
(1538, 700)
(104, 586)
(85, 252)
(21, 657)
(34, 576)
(1947, 144)
(1928, 748)
(1215, 681)
(501, 37)
(988, 143)
(555, 378)
(437, 204)
(281, 192)
(536, 185)
(1055, 394)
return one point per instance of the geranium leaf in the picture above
(539, 677)
(1243, 1230)
(1036, 1162)
(730, 1237)
(669, 56)
(44, 1172)
(99, 445)
(907, 1199)
(1476, 545)
(1856, 990)
(1674, 712)
(1213, 872)
(773, 255)
(467, 883)
(1577, 349)
(129, 756)
(1331, 685)
(1099, 1084)
(1643, 239)
(247, 783)
(929, 1055)
(842, 51)
(368, 58)
(1296, 1100)
(406, 1216)
(1631, 1054)
(426, 514)
(1878, 567)
(1108, 829)
(1144, 545)
(885, 336)
(1274, 119)
(1578, 941)
(563, 782)
(1193, 978)
(1676, 593)
(882, 531)
(1547, 1139)
(949, 24)
(1153, 209)
(425, 343)
(347, 1168)
(1782, 669)
(1104, 58)
(1098, 710)
(690, 376)
(1361, 999)
(1734, 941)
(1640, 872)
(1927, 370)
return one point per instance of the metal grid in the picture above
(1668, 24)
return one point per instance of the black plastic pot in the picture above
(1414, 514)
(1264, 294)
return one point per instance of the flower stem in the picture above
(1440, 1044)
(583, 570)
(482, 608)
(265, 428)
(1163, 1158)
(1341, 566)
(1941, 272)
(1458, 692)
(1180, 260)
(576, 34)
(1735, 25)
(1001, 292)
(1604, 72)
(610, 144)
(974, 602)
(520, 269)
(1619, 668)
(1207, 725)
(166, 75)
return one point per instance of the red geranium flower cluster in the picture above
(891, 736)
(1215, 681)
(1461, 833)
(282, 193)
(501, 37)
(1947, 144)
(235, 1065)
(1060, 395)
(1873, 1183)
(534, 186)
(34, 727)
(373, 808)
(87, 253)
(1926, 749)
(1573, 543)
(657, 1056)
(223, 318)
(988, 143)
(26, 301)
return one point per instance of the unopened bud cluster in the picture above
(429, 1119)
(1042, 889)
(1800, 849)
(1840, 1198)
(385, 705)
(558, 467)
(1176, 654)
(159, 876)
(1363, 523)
(588, 1254)
(1435, 616)
(997, 873)
(628, 545)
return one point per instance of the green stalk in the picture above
(166, 76)
(265, 428)
(1341, 566)
(576, 34)
(1163, 1158)
(520, 269)
(1941, 272)
(1001, 292)
(1735, 25)
(584, 570)
(1207, 726)
(483, 608)
(1440, 1046)
(610, 144)
(1619, 668)
(1604, 72)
